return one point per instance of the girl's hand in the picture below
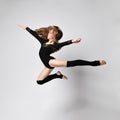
(23, 27)
(76, 40)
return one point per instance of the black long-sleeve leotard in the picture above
(47, 49)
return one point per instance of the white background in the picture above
(91, 93)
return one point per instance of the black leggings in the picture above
(49, 78)
(82, 62)
(69, 64)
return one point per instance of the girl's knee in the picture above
(51, 63)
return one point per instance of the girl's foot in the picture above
(63, 76)
(102, 62)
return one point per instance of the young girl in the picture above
(49, 39)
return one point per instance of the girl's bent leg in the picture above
(49, 78)
(44, 73)
(45, 77)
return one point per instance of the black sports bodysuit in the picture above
(47, 49)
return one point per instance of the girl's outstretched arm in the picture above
(41, 40)
(58, 46)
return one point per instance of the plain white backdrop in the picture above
(91, 93)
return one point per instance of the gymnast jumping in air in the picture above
(49, 39)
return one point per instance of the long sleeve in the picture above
(32, 32)
(58, 46)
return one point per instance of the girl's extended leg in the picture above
(61, 63)
(45, 77)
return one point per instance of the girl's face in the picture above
(51, 34)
